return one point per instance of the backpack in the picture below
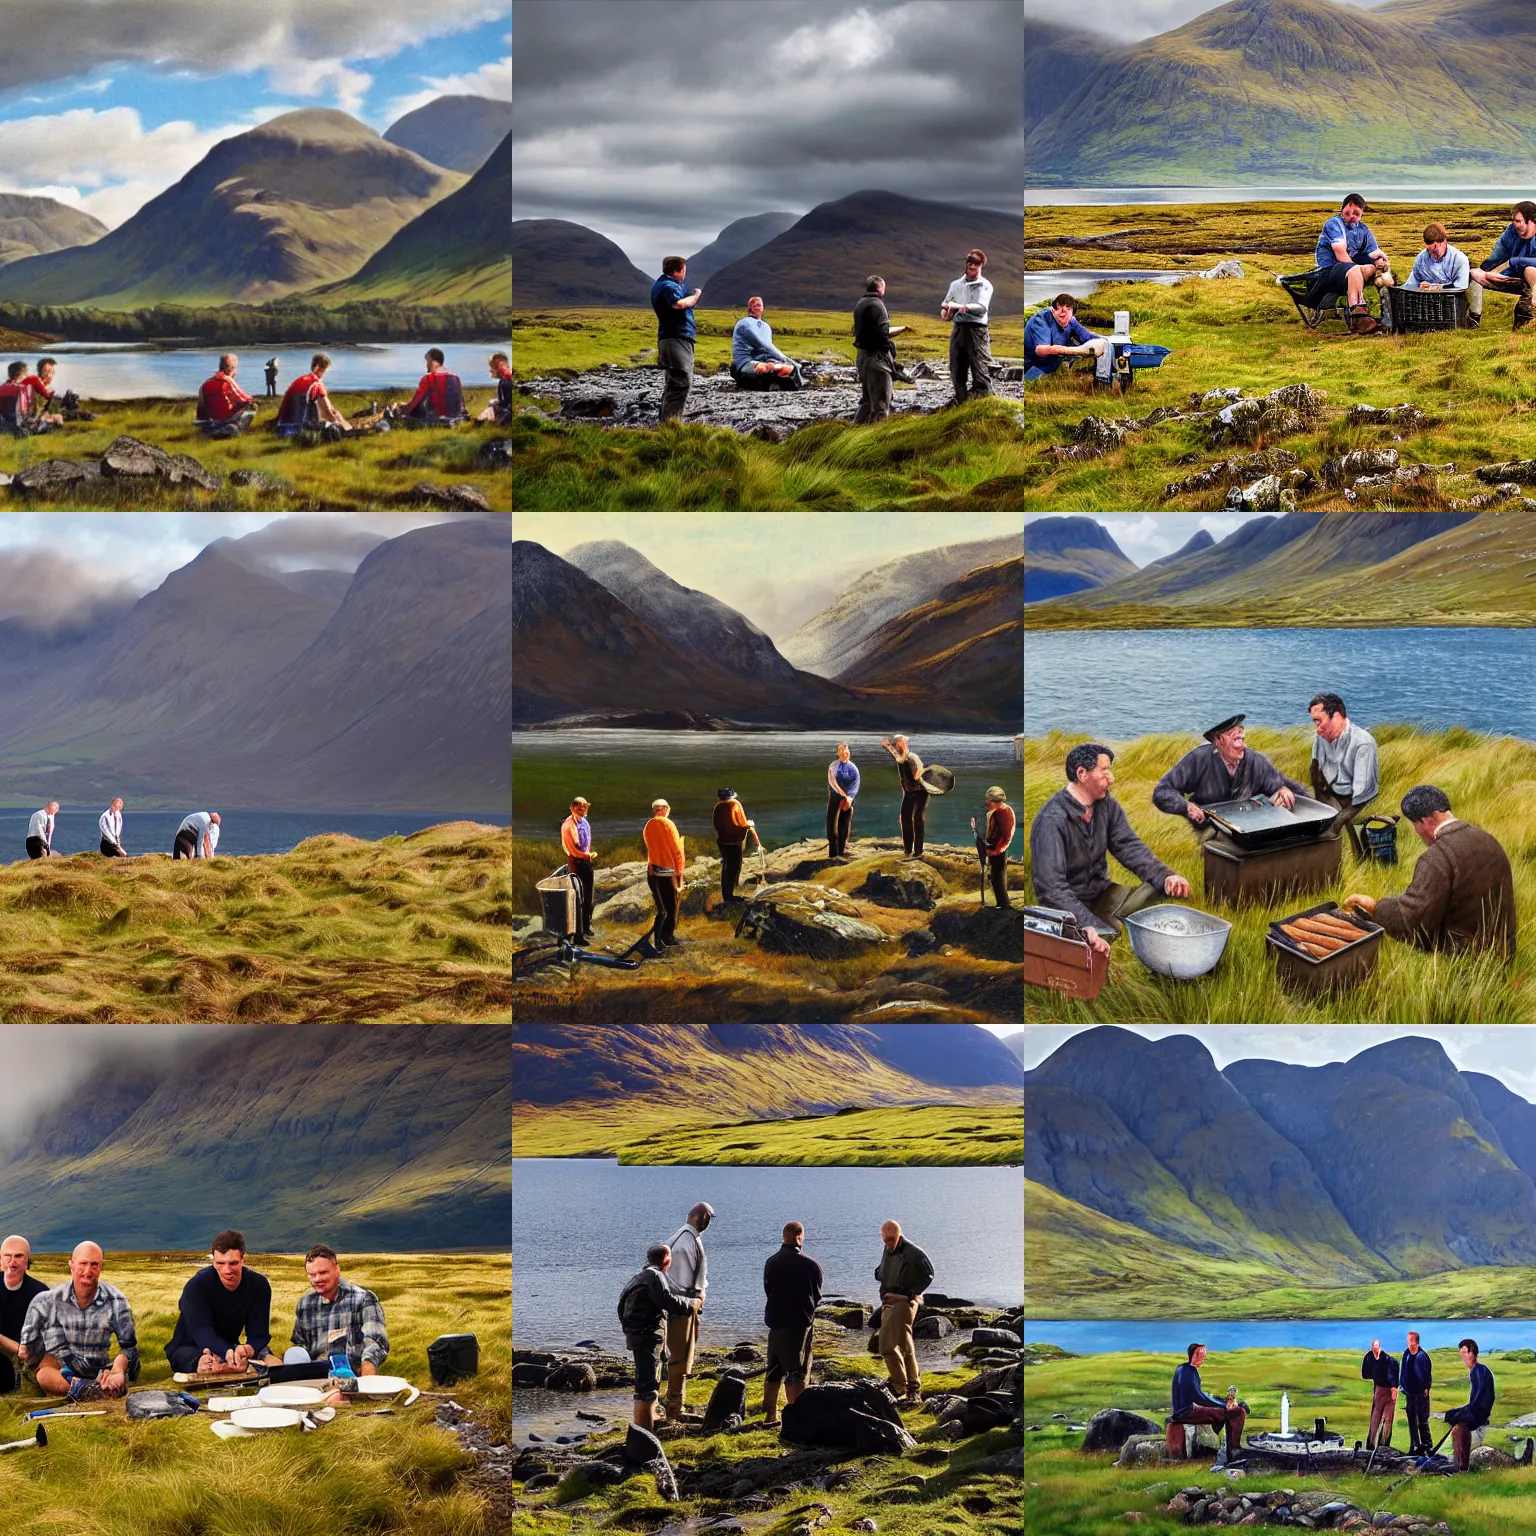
(638, 1311)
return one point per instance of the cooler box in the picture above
(453, 1356)
(557, 901)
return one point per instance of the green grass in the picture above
(1490, 781)
(414, 929)
(1070, 1493)
(402, 1475)
(533, 859)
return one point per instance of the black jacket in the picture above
(1416, 1372)
(1379, 1369)
(904, 1271)
(872, 325)
(643, 1302)
(792, 1283)
(1478, 1408)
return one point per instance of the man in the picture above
(41, 386)
(914, 795)
(842, 791)
(306, 406)
(874, 353)
(1511, 268)
(1343, 768)
(903, 1274)
(1462, 894)
(731, 829)
(1055, 334)
(1441, 268)
(439, 397)
(995, 838)
(792, 1282)
(1415, 1376)
(1224, 770)
(966, 306)
(1477, 1409)
(675, 333)
(271, 378)
(223, 408)
(500, 409)
(690, 1279)
(198, 835)
(84, 1314)
(16, 1293)
(336, 1316)
(111, 823)
(755, 362)
(1348, 258)
(664, 871)
(40, 832)
(1069, 846)
(1380, 1369)
(1192, 1406)
(220, 1302)
(646, 1299)
(15, 401)
(576, 839)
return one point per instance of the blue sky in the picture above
(105, 103)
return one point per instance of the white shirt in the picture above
(689, 1273)
(198, 823)
(977, 296)
(1349, 764)
(41, 826)
(111, 824)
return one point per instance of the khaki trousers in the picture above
(896, 1346)
(682, 1338)
(1383, 1410)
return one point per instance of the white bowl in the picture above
(267, 1418)
(289, 1396)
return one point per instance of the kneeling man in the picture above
(1055, 334)
(83, 1314)
(220, 1302)
(755, 362)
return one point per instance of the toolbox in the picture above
(1058, 956)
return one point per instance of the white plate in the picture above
(227, 1431)
(267, 1418)
(289, 1397)
(385, 1386)
(228, 1404)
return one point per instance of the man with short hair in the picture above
(220, 1302)
(1348, 258)
(1511, 268)
(1343, 768)
(690, 1279)
(874, 353)
(271, 371)
(842, 791)
(576, 839)
(1191, 1405)
(1416, 1376)
(1461, 897)
(111, 823)
(439, 397)
(914, 795)
(1225, 770)
(15, 401)
(903, 1274)
(223, 408)
(675, 332)
(755, 362)
(1380, 1369)
(966, 306)
(500, 409)
(306, 405)
(1441, 267)
(335, 1316)
(17, 1288)
(996, 835)
(83, 1315)
(731, 832)
(40, 384)
(664, 870)
(40, 831)
(792, 1282)
(1055, 334)
(647, 1299)
(1070, 842)
(198, 835)
(1478, 1408)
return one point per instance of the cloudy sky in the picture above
(658, 122)
(1127, 20)
(106, 103)
(1147, 536)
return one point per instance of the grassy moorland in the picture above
(410, 929)
(1245, 332)
(401, 1474)
(1071, 1493)
(1490, 782)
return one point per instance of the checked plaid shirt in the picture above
(80, 1337)
(356, 1310)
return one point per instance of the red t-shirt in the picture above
(223, 397)
(434, 390)
(38, 387)
(1002, 824)
(306, 387)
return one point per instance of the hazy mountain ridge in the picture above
(739, 238)
(34, 226)
(455, 132)
(561, 265)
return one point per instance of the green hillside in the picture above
(30, 226)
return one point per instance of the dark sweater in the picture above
(1201, 776)
(1416, 1372)
(907, 770)
(872, 325)
(1186, 1391)
(1379, 1369)
(904, 1271)
(792, 1283)
(1478, 1408)
(1461, 896)
(644, 1301)
(214, 1318)
(13, 1312)
(1069, 847)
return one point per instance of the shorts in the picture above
(789, 1354)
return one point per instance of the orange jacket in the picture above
(664, 844)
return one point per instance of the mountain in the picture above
(329, 586)
(1510, 1115)
(563, 266)
(459, 251)
(363, 1138)
(1015, 1043)
(1301, 90)
(32, 226)
(834, 639)
(736, 240)
(1070, 554)
(1057, 61)
(302, 200)
(821, 261)
(693, 621)
(1204, 539)
(456, 132)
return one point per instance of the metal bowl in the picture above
(1177, 941)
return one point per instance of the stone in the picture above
(936, 1326)
(259, 480)
(1301, 398)
(498, 451)
(868, 1523)
(641, 1447)
(453, 497)
(1264, 495)
(1408, 417)
(842, 1415)
(56, 475)
(1110, 1428)
(1232, 471)
(1517, 472)
(1230, 267)
(5, 480)
(530, 1375)
(793, 918)
(572, 1377)
(1003, 1337)
(991, 933)
(589, 405)
(1349, 467)
(729, 1397)
(1490, 1456)
(132, 458)
(911, 885)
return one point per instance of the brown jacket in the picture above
(1462, 895)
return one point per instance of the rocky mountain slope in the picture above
(1070, 554)
(33, 226)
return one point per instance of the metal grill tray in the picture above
(1256, 823)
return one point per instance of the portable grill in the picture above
(1258, 822)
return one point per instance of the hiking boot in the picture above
(1362, 322)
(84, 1390)
(1523, 313)
(1474, 321)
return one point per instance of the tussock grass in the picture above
(1490, 781)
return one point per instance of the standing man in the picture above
(85, 1313)
(731, 829)
(875, 353)
(1348, 258)
(792, 1281)
(643, 1303)
(576, 839)
(674, 333)
(16, 1293)
(111, 823)
(271, 378)
(1478, 1408)
(996, 837)
(914, 795)
(1192, 1406)
(903, 1274)
(690, 1279)
(842, 791)
(335, 1308)
(220, 1302)
(664, 870)
(197, 836)
(1225, 770)
(1511, 268)
(1380, 1369)
(1416, 1375)
(1343, 769)
(966, 305)
(40, 832)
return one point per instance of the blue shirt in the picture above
(752, 342)
(1043, 331)
(1186, 1391)
(671, 324)
(1451, 271)
(1415, 1372)
(1519, 253)
(1359, 242)
(847, 777)
(1478, 1408)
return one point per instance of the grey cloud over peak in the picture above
(1127, 21)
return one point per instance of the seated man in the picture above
(1225, 770)
(82, 1315)
(1349, 258)
(41, 385)
(500, 409)
(1343, 767)
(223, 408)
(1442, 268)
(337, 1314)
(20, 412)
(16, 1293)
(1069, 845)
(1192, 1406)
(306, 407)
(1478, 1408)
(220, 1302)
(755, 362)
(1512, 266)
(1462, 894)
(1055, 334)
(439, 397)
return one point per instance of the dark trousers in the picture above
(110, 849)
(186, 846)
(997, 873)
(747, 377)
(839, 824)
(664, 894)
(1382, 1411)
(1418, 1423)
(35, 849)
(970, 360)
(730, 866)
(677, 358)
(1348, 811)
(1232, 1418)
(272, 386)
(1461, 1444)
(914, 807)
(184, 1357)
(581, 873)
(876, 386)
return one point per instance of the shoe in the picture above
(84, 1390)
(1362, 322)
(1523, 315)
(1221, 1459)
(1475, 321)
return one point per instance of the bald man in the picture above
(85, 1314)
(904, 1273)
(17, 1288)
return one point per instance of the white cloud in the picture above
(1142, 539)
(493, 79)
(851, 42)
(318, 77)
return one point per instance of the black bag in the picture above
(453, 1356)
(161, 1405)
(638, 1311)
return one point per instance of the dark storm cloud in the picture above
(657, 122)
